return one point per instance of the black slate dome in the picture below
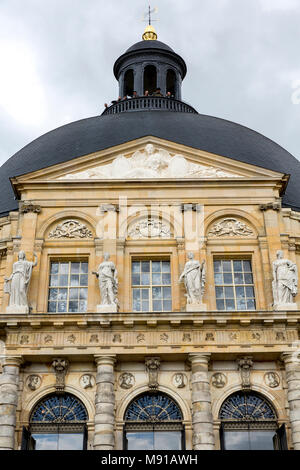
(162, 117)
(198, 131)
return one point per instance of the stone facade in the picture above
(205, 347)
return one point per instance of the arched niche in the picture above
(128, 82)
(171, 82)
(150, 78)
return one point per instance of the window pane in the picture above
(156, 268)
(83, 294)
(145, 266)
(217, 266)
(74, 294)
(261, 440)
(136, 279)
(220, 304)
(46, 441)
(61, 306)
(136, 294)
(62, 294)
(247, 266)
(63, 268)
(230, 305)
(157, 293)
(84, 280)
(145, 279)
(229, 294)
(140, 440)
(165, 266)
(73, 306)
(54, 280)
(226, 266)
(70, 441)
(166, 279)
(63, 280)
(156, 279)
(53, 294)
(157, 306)
(136, 305)
(51, 307)
(167, 304)
(251, 304)
(145, 306)
(237, 266)
(248, 279)
(249, 291)
(218, 279)
(164, 440)
(167, 292)
(74, 281)
(227, 278)
(145, 294)
(219, 292)
(236, 440)
(54, 268)
(84, 268)
(75, 268)
(82, 306)
(241, 304)
(135, 267)
(238, 278)
(240, 292)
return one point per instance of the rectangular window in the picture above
(68, 287)
(234, 284)
(151, 286)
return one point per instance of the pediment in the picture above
(149, 158)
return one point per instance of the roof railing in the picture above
(151, 103)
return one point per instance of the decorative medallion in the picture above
(34, 382)
(140, 338)
(126, 380)
(87, 381)
(219, 380)
(94, 339)
(149, 228)
(179, 380)
(71, 229)
(186, 337)
(230, 227)
(272, 379)
(24, 339)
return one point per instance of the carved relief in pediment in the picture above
(69, 229)
(151, 163)
(149, 228)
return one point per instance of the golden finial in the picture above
(149, 33)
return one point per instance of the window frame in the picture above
(67, 259)
(150, 258)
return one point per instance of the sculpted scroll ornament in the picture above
(151, 163)
(230, 227)
(149, 228)
(71, 229)
(285, 282)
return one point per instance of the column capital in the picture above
(16, 361)
(290, 357)
(105, 359)
(196, 358)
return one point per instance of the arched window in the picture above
(58, 422)
(153, 421)
(249, 422)
(128, 83)
(150, 78)
(171, 82)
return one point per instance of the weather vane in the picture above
(149, 14)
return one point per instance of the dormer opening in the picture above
(150, 78)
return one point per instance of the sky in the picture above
(57, 58)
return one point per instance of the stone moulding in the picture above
(70, 229)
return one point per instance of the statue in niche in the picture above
(285, 280)
(108, 281)
(17, 284)
(193, 276)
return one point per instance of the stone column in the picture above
(292, 369)
(104, 438)
(203, 431)
(9, 381)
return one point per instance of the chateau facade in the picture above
(148, 278)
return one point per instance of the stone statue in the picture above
(285, 282)
(17, 284)
(108, 284)
(193, 276)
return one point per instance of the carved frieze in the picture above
(230, 227)
(71, 229)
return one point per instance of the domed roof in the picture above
(207, 133)
(142, 45)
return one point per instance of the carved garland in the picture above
(71, 229)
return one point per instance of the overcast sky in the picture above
(57, 58)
